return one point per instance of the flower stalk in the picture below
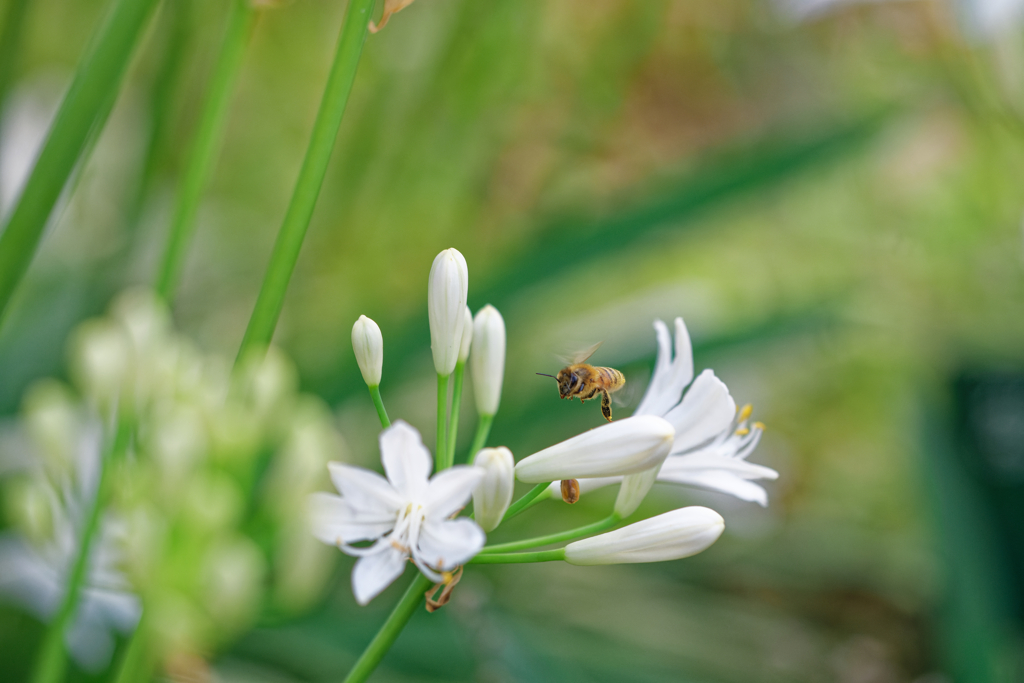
(483, 430)
(525, 501)
(441, 450)
(389, 631)
(209, 135)
(52, 662)
(379, 405)
(520, 558)
(93, 88)
(311, 177)
(568, 535)
(453, 421)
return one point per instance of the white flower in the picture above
(493, 494)
(625, 446)
(368, 345)
(406, 515)
(700, 415)
(488, 359)
(467, 336)
(447, 289)
(671, 536)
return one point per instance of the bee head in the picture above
(567, 381)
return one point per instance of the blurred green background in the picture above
(829, 193)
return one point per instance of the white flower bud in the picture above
(447, 289)
(622, 447)
(467, 336)
(487, 359)
(493, 494)
(368, 344)
(633, 491)
(671, 536)
(101, 361)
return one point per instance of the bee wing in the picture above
(626, 396)
(580, 356)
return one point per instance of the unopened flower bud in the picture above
(368, 345)
(447, 289)
(487, 359)
(621, 447)
(671, 536)
(493, 494)
(467, 336)
(633, 491)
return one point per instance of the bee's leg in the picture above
(606, 405)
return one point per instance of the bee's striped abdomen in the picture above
(611, 378)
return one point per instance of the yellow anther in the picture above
(742, 431)
(447, 576)
(759, 425)
(745, 413)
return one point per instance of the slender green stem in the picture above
(517, 558)
(389, 631)
(379, 405)
(209, 134)
(453, 420)
(483, 429)
(441, 454)
(96, 82)
(311, 177)
(524, 502)
(560, 537)
(52, 662)
(136, 663)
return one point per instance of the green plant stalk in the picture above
(137, 661)
(311, 177)
(95, 83)
(441, 452)
(389, 631)
(569, 535)
(207, 143)
(524, 502)
(483, 430)
(518, 558)
(453, 420)
(52, 662)
(379, 405)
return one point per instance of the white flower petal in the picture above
(681, 465)
(450, 490)
(622, 447)
(375, 572)
(670, 536)
(407, 461)
(633, 491)
(364, 490)
(706, 409)
(334, 521)
(671, 375)
(448, 543)
(723, 482)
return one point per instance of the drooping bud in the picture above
(671, 536)
(368, 345)
(493, 494)
(487, 359)
(467, 337)
(622, 447)
(447, 289)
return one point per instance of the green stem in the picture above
(209, 134)
(379, 405)
(560, 537)
(311, 177)
(441, 453)
(517, 558)
(136, 663)
(453, 420)
(389, 631)
(52, 663)
(95, 83)
(524, 502)
(483, 430)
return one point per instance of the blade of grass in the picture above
(311, 177)
(93, 87)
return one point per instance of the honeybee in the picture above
(587, 381)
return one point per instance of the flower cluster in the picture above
(685, 430)
(201, 471)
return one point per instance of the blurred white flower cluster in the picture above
(208, 492)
